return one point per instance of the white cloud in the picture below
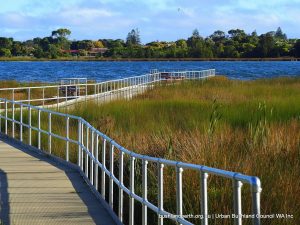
(156, 19)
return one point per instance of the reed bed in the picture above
(251, 127)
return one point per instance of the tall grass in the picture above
(251, 127)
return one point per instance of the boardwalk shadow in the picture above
(97, 212)
(4, 199)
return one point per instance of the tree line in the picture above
(235, 43)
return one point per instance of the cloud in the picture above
(156, 19)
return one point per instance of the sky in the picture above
(167, 20)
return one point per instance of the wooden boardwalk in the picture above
(37, 190)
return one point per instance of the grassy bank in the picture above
(252, 127)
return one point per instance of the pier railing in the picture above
(57, 94)
(95, 155)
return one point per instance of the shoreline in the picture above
(84, 59)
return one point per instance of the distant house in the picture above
(97, 51)
(72, 52)
(92, 52)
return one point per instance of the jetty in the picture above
(80, 184)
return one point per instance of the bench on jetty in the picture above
(79, 185)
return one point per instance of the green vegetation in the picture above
(234, 44)
(252, 127)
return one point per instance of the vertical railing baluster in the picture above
(160, 192)
(79, 143)
(204, 206)
(103, 172)
(21, 123)
(121, 164)
(67, 138)
(39, 129)
(6, 117)
(131, 188)
(96, 163)
(82, 144)
(13, 119)
(237, 201)
(256, 190)
(49, 132)
(86, 154)
(145, 191)
(91, 159)
(111, 170)
(179, 171)
(29, 124)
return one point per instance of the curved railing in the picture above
(91, 157)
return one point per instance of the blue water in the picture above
(100, 71)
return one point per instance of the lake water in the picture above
(100, 71)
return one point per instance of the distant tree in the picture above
(85, 45)
(38, 52)
(5, 52)
(53, 51)
(17, 48)
(237, 34)
(279, 34)
(266, 44)
(133, 37)
(6, 42)
(98, 44)
(181, 43)
(218, 36)
(196, 34)
(297, 49)
(62, 33)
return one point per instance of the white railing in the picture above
(57, 94)
(89, 151)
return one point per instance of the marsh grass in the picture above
(251, 127)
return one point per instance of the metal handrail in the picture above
(88, 140)
(94, 88)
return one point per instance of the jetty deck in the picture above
(36, 190)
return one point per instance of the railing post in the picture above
(6, 116)
(21, 122)
(29, 124)
(237, 199)
(121, 164)
(86, 153)
(49, 132)
(160, 192)
(39, 129)
(111, 170)
(67, 138)
(179, 171)
(204, 206)
(97, 160)
(145, 192)
(28, 95)
(79, 143)
(13, 119)
(91, 159)
(131, 188)
(82, 144)
(256, 190)
(103, 172)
